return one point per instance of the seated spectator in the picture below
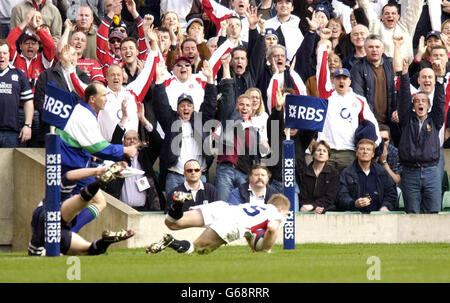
(419, 147)
(389, 158)
(366, 186)
(256, 190)
(179, 124)
(79, 41)
(319, 181)
(202, 192)
(140, 192)
(50, 15)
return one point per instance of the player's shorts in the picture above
(222, 218)
(38, 233)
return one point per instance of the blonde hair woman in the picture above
(259, 115)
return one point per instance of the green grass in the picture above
(419, 263)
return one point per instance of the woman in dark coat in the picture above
(319, 182)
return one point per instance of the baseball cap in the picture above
(342, 72)
(184, 97)
(433, 33)
(271, 32)
(198, 20)
(116, 34)
(323, 9)
(27, 36)
(182, 58)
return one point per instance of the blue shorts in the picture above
(38, 231)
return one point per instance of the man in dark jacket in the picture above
(198, 192)
(365, 185)
(256, 190)
(419, 147)
(373, 78)
(186, 142)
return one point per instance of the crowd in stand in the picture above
(199, 87)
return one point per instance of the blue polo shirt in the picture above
(14, 87)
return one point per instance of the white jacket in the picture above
(405, 27)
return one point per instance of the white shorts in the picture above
(223, 219)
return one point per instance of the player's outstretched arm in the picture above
(271, 235)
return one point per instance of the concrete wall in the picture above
(22, 187)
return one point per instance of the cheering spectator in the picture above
(389, 158)
(346, 110)
(79, 41)
(50, 15)
(30, 60)
(140, 192)
(286, 26)
(391, 22)
(179, 124)
(97, 10)
(419, 147)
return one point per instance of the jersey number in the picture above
(253, 210)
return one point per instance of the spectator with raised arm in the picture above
(79, 40)
(419, 147)
(50, 15)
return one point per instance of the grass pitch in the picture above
(308, 263)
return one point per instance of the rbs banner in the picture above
(304, 112)
(58, 105)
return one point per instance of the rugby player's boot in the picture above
(160, 245)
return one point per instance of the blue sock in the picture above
(85, 216)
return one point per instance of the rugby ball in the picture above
(258, 239)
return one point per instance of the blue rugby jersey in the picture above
(14, 88)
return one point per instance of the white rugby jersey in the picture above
(342, 120)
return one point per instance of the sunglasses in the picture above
(114, 41)
(191, 170)
(185, 65)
